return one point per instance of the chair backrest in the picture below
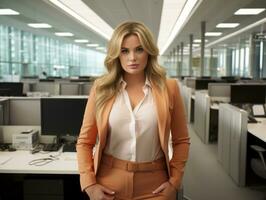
(258, 165)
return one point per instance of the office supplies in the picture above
(26, 131)
(25, 141)
(258, 110)
(251, 119)
(11, 149)
(4, 147)
(51, 147)
(43, 161)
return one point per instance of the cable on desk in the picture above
(44, 161)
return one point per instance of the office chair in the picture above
(258, 165)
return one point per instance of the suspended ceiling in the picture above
(148, 11)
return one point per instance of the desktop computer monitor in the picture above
(202, 84)
(248, 94)
(62, 116)
(11, 89)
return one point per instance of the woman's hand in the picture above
(99, 192)
(167, 188)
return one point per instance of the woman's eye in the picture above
(139, 49)
(124, 51)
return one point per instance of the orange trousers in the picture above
(134, 181)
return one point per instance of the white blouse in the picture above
(133, 134)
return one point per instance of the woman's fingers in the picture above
(107, 191)
(161, 188)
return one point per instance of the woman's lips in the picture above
(133, 65)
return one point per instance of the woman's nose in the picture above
(132, 55)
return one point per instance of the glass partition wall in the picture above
(26, 54)
(243, 56)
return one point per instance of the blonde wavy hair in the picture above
(108, 86)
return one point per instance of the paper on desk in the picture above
(4, 159)
(258, 110)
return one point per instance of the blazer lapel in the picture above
(161, 102)
(103, 124)
(102, 132)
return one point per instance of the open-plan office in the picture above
(51, 51)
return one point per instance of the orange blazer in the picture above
(171, 117)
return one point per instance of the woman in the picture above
(129, 115)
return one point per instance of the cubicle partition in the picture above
(24, 111)
(190, 82)
(187, 95)
(50, 87)
(202, 111)
(232, 142)
(61, 88)
(70, 88)
(219, 91)
(4, 111)
(85, 88)
(206, 110)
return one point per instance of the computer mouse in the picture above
(11, 149)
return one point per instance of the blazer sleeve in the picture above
(86, 142)
(180, 138)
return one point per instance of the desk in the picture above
(58, 179)
(258, 129)
(256, 136)
(19, 163)
(215, 106)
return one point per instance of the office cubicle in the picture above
(206, 110)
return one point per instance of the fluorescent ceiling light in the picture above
(198, 41)
(81, 12)
(39, 25)
(100, 48)
(180, 21)
(196, 45)
(67, 34)
(170, 12)
(227, 25)
(258, 23)
(92, 45)
(249, 11)
(81, 41)
(8, 11)
(213, 34)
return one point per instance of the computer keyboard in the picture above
(51, 147)
(69, 147)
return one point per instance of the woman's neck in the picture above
(138, 79)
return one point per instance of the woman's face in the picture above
(133, 57)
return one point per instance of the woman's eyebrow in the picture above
(134, 47)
